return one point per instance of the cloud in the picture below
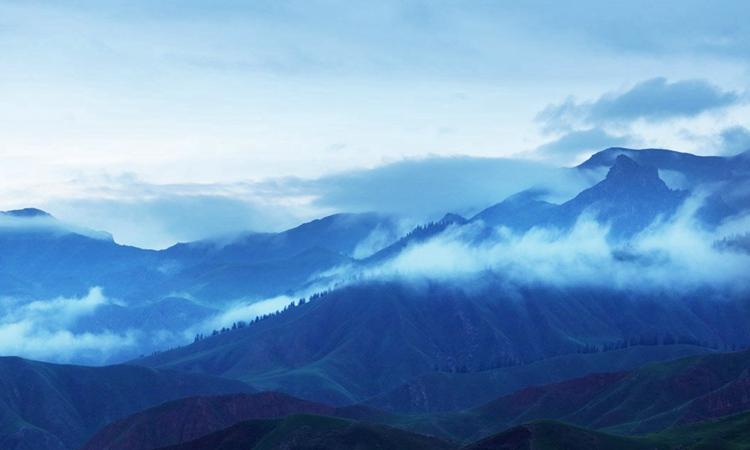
(572, 145)
(243, 311)
(41, 329)
(651, 100)
(734, 140)
(43, 223)
(434, 186)
(153, 215)
(676, 255)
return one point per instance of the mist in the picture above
(45, 330)
(678, 254)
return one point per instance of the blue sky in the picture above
(123, 112)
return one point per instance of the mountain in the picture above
(363, 340)
(308, 432)
(521, 211)
(695, 169)
(419, 234)
(187, 419)
(26, 212)
(725, 179)
(53, 407)
(631, 197)
(56, 259)
(163, 293)
(344, 234)
(652, 398)
(50, 258)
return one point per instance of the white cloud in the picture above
(42, 329)
(674, 255)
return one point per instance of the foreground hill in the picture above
(731, 433)
(307, 432)
(187, 419)
(652, 398)
(452, 391)
(55, 407)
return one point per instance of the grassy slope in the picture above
(652, 398)
(443, 391)
(731, 433)
(303, 432)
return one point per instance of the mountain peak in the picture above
(626, 169)
(451, 218)
(27, 213)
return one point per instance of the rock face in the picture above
(631, 197)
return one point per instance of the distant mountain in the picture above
(57, 407)
(519, 212)
(725, 178)
(631, 197)
(49, 258)
(55, 259)
(418, 235)
(167, 292)
(26, 212)
(387, 334)
(308, 432)
(695, 169)
(344, 234)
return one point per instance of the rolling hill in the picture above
(307, 432)
(653, 398)
(731, 433)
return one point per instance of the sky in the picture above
(166, 121)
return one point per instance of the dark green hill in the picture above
(452, 391)
(48, 406)
(653, 398)
(731, 433)
(307, 432)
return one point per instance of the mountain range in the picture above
(165, 293)
(612, 319)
